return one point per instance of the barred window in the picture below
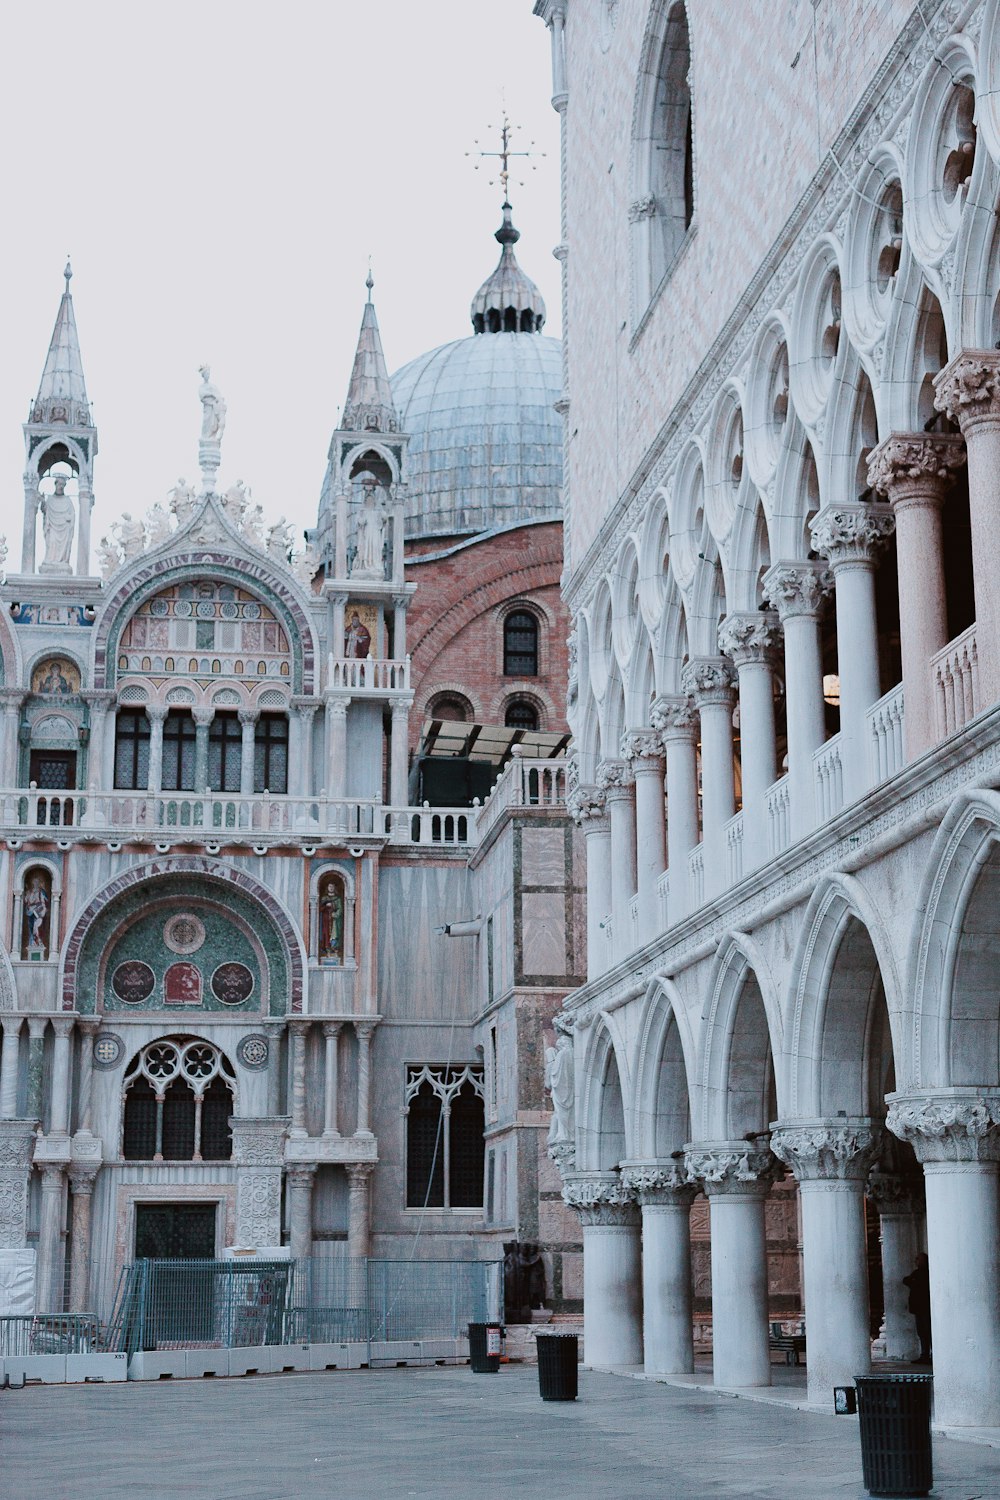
(444, 1136)
(520, 644)
(225, 753)
(270, 754)
(132, 750)
(179, 736)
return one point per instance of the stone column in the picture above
(359, 1231)
(797, 591)
(751, 641)
(87, 1029)
(737, 1177)
(17, 1144)
(10, 708)
(399, 607)
(850, 537)
(299, 1185)
(300, 747)
(587, 807)
(299, 1030)
(612, 1267)
(956, 1136)
(709, 680)
(258, 1151)
(363, 1030)
(915, 470)
(676, 719)
(336, 747)
(399, 732)
(81, 1177)
(830, 1160)
(59, 1114)
(666, 1196)
(203, 716)
(892, 1195)
(11, 1025)
(331, 1033)
(36, 1065)
(50, 1228)
(100, 702)
(643, 750)
(615, 778)
(248, 731)
(156, 713)
(968, 389)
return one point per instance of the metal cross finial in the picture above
(505, 153)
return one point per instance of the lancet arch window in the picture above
(178, 1099)
(444, 1136)
(663, 175)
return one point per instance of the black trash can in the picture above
(484, 1348)
(558, 1356)
(895, 1419)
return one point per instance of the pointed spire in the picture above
(62, 391)
(508, 301)
(369, 407)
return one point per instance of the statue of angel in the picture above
(253, 525)
(131, 536)
(235, 502)
(182, 501)
(213, 408)
(280, 540)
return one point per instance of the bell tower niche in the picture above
(60, 444)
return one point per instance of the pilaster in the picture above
(258, 1150)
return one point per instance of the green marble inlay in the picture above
(36, 1062)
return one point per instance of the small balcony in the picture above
(367, 675)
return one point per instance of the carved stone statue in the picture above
(36, 909)
(3, 559)
(306, 566)
(109, 557)
(157, 525)
(559, 1083)
(279, 541)
(213, 408)
(58, 523)
(132, 536)
(368, 562)
(236, 501)
(182, 501)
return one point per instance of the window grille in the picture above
(270, 754)
(521, 714)
(178, 1100)
(520, 644)
(225, 753)
(179, 736)
(132, 750)
(444, 1136)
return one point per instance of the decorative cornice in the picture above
(733, 1167)
(968, 388)
(948, 1127)
(601, 1199)
(852, 533)
(709, 680)
(908, 464)
(659, 1184)
(797, 588)
(643, 745)
(821, 1150)
(751, 639)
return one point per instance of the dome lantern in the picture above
(508, 301)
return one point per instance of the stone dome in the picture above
(485, 438)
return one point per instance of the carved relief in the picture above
(825, 1150)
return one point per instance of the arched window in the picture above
(449, 706)
(178, 1100)
(521, 714)
(270, 751)
(664, 166)
(444, 1137)
(520, 644)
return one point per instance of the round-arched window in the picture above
(521, 714)
(520, 644)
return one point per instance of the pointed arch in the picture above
(602, 1103)
(664, 1073)
(734, 1048)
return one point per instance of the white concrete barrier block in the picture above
(157, 1364)
(286, 1357)
(251, 1360)
(329, 1356)
(81, 1367)
(47, 1369)
(200, 1362)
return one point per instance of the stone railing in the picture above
(734, 849)
(955, 677)
(884, 734)
(523, 783)
(430, 825)
(828, 774)
(368, 674)
(779, 819)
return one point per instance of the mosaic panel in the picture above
(204, 630)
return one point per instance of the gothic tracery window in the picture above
(444, 1136)
(178, 1100)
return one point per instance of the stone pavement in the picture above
(443, 1433)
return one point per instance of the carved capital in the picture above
(259, 1142)
(587, 806)
(753, 638)
(852, 533)
(364, 1030)
(709, 680)
(203, 714)
(643, 745)
(968, 388)
(301, 1176)
(602, 1199)
(642, 208)
(358, 1173)
(659, 1184)
(953, 1126)
(156, 713)
(248, 715)
(797, 588)
(615, 778)
(675, 716)
(824, 1150)
(909, 465)
(734, 1168)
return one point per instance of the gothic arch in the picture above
(665, 1067)
(729, 1039)
(190, 865)
(602, 1109)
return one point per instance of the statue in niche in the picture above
(35, 906)
(182, 501)
(213, 408)
(559, 1083)
(331, 920)
(368, 562)
(58, 523)
(357, 637)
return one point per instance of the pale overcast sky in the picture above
(221, 171)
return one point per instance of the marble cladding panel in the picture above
(421, 972)
(543, 933)
(543, 856)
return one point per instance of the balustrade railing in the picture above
(779, 819)
(828, 773)
(734, 848)
(696, 870)
(523, 783)
(955, 677)
(430, 825)
(884, 733)
(368, 674)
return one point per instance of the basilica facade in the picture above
(256, 989)
(782, 413)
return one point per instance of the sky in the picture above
(220, 172)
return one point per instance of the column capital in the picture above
(659, 1183)
(81, 1174)
(358, 1172)
(615, 779)
(299, 1025)
(797, 588)
(852, 533)
(675, 716)
(752, 638)
(915, 466)
(248, 715)
(587, 806)
(952, 1125)
(17, 1143)
(11, 1023)
(337, 705)
(300, 1174)
(63, 1025)
(644, 749)
(736, 1169)
(305, 707)
(203, 714)
(601, 1199)
(827, 1150)
(400, 601)
(332, 1028)
(400, 709)
(364, 1028)
(99, 697)
(12, 698)
(36, 1027)
(156, 713)
(709, 680)
(52, 1175)
(259, 1142)
(968, 388)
